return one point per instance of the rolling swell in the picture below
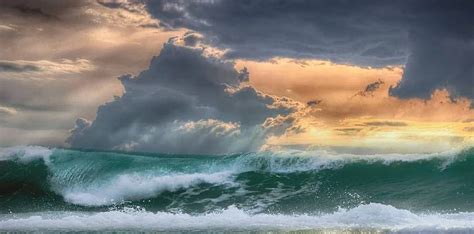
(38, 179)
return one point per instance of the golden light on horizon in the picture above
(352, 108)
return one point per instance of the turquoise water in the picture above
(61, 189)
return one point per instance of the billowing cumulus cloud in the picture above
(184, 103)
(435, 39)
(60, 60)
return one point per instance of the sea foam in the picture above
(25, 153)
(139, 186)
(364, 217)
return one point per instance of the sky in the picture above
(221, 76)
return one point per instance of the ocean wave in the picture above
(275, 161)
(301, 160)
(139, 186)
(25, 153)
(258, 181)
(364, 217)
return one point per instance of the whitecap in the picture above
(139, 186)
(364, 217)
(25, 153)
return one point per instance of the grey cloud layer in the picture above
(434, 38)
(184, 103)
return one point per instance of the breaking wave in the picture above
(91, 190)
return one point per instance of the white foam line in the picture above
(371, 216)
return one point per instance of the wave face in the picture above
(61, 188)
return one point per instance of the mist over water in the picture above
(62, 189)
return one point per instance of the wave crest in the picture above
(256, 180)
(25, 153)
(136, 186)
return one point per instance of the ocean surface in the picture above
(43, 189)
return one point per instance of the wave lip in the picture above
(299, 160)
(25, 153)
(135, 187)
(371, 216)
(284, 182)
(143, 185)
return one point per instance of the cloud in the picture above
(385, 123)
(184, 103)
(348, 131)
(191, 39)
(439, 61)
(78, 48)
(469, 129)
(339, 87)
(335, 30)
(65, 66)
(7, 111)
(40, 85)
(371, 88)
(6, 28)
(314, 102)
(9, 66)
(45, 10)
(435, 39)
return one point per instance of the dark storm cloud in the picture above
(185, 102)
(437, 62)
(434, 38)
(343, 31)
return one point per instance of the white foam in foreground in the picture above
(372, 216)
